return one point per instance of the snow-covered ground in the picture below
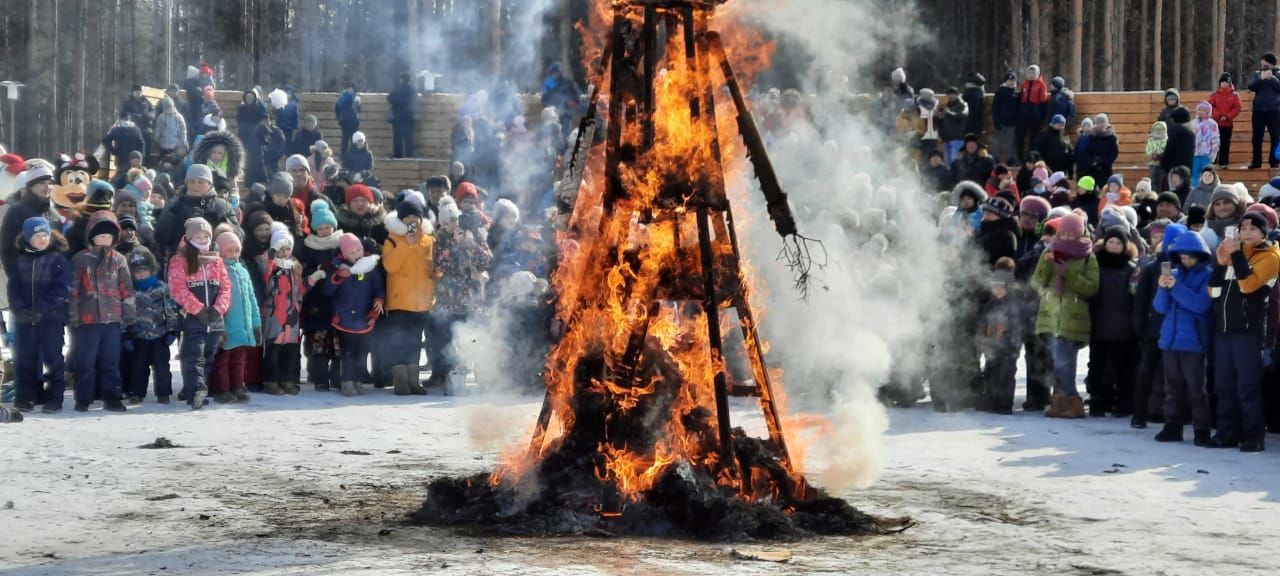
(319, 484)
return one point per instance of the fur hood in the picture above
(235, 152)
(347, 220)
(395, 226)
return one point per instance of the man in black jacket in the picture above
(123, 139)
(402, 100)
(1266, 110)
(140, 112)
(975, 97)
(1181, 148)
(1053, 147)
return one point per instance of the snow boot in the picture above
(1170, 433)
(1137, 423)
(272, 388)
(162, 399)
(81, 407)
(24, 406)
(51, 409)
(412, 378)
(292, 388)
(242, 395)
(1074, 407)
(135, 400)
(1221, 441)
(114, 406)
(1057, 406)
(348, 388)
(197, 400)
(1256, 445)
(359, 388)
(224, 398)
(400, 380)
(1202, 438)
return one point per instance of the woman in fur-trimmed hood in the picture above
(222, 151)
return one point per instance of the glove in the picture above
(127, 345)
(316, 276)
(170, 338)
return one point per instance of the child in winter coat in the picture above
(317, 254)
(411, 275)
(1241, 286)
(357, 290)
(1111, 351)
(1207, 140)
(1148, 391)
(1066, 277)
(1226, 106)
(461, 260)
(1156, 143)
(148, 340)
(102, 303)
(282, 311)
(243, 325)
(1183, 299)
(38, 293)
(199, 282)
(999, 340)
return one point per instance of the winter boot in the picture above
(114, 406)
(400, 380)
(242, 395)
(24, 406)
(51, 409)
(359, 388)
(1220, 441)
(81, 407)
(1074, 407)
(162, 399)
(348, 388)
(1137, 423)
(413, 379)
(1255, 445)
(1170, 433)
(197, 400)
(135, 400)
(272, 388)
(322, 386)
(290, 388)
(224, 398)
(1202, 438)
(1057, 406)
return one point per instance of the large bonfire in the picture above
(635, 436)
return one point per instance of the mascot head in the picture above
(11, 165)
(71, 181)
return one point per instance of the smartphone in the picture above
(413, 228)
(1166, 268)
(1233, 232)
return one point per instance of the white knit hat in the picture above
(358, 137)
(448, 210)
(280, 236)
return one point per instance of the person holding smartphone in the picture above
(1241, 287)
(1183, 299)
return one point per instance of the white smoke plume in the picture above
(867, 319)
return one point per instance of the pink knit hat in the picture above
(227, 240)
(349, 242)
(1071, 225)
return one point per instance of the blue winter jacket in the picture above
(354, 295)
(42, 281)
(1266, 93)
(1187, 323)
(1005, 107)
(243, 317)
(287, 117)
(1060, 102)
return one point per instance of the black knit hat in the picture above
(1225, 77)
(1269, 58)
(1170, 198)
(1195, 215)
(998, 206)
(1258, 220)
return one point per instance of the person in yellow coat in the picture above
(407, 256)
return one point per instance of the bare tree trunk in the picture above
(1017, 25)
(1144, 51)
(1122, 44)
(1177, 43)
(1157, 58)
(1077, 42)
(495, 38)
(1108, 44)
(1189, 45)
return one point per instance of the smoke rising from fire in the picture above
(868, 322)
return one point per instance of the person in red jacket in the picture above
(1226, 106)
(1033, 108)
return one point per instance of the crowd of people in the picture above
(1171, 285)
(253, 251)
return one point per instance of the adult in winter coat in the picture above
(196, 199)
(302, 140)
(124, 139)
(409, 259)
(1053, 147)
(1111, 349)
(194, 84)
(1226, 107)
(1266, 110)
(1181, 149)
(1104, 148)
(975, 98)
(251, 111)
(1066, 277)
(955, 116)
(287, 117)
(973, 164)
(347, 109)
(998, 234)
(171, 128)
(1241, 287)
(362, 215)
(1148, 390)
(140, 111)
(1005, 113)
(31, 200)
(272, 140)
(402, 99)
(1062, 102)
(1184, 304)
(1033, 109)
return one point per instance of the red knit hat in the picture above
(359, 191)
(467, 190)
(1267, 212)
